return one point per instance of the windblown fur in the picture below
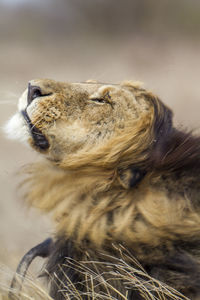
(116, 172)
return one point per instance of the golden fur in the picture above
(97, 133)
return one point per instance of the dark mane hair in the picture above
(178, 151)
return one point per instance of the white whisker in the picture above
(9, 95)
(35, 125)
(8, 102)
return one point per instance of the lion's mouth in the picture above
(40, 141)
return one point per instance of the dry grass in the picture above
(97, 285)
(32, 287)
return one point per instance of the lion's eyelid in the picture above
(102, 99)
(99, 100)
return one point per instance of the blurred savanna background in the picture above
(156, 42)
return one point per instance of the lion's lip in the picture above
(40, 140)
(26, 117)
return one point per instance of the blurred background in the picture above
(157, 42)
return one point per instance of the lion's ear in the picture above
(130, 177)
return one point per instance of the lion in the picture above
(115, 173)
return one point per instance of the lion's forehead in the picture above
(125, 92)
(89, 86)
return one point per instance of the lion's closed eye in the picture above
(99, 100)
(105, 99)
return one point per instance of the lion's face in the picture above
(62, 118)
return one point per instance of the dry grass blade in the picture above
(114, 284)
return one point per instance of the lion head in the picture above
(76, 124)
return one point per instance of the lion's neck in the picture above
(96, 208)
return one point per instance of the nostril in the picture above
(36, 93)
(33, 92)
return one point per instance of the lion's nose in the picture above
(33, 92)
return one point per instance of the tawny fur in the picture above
(98, 134)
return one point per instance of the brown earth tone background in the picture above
(157, 42)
